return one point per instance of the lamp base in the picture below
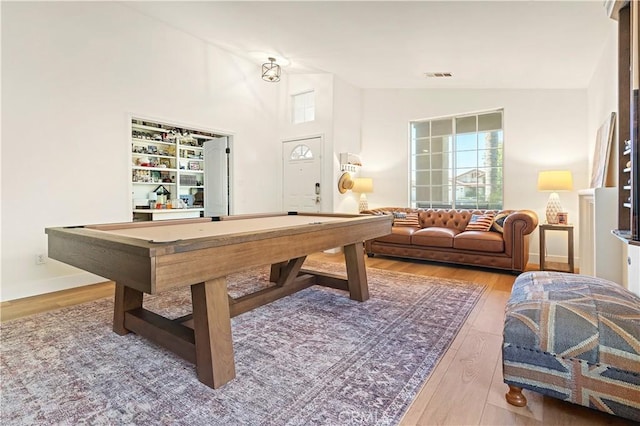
(553, 208)
(363, 204)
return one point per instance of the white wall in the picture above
(72, 73)
(322, 85)
(543, 129)
(602, 95)
(337, 118)
(347, 119)
(602, 100)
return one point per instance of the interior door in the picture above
(216, 196)
(302, 175)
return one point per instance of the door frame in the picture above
(229, 170)
(323, 194)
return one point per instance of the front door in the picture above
(302, 172)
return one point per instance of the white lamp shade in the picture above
(362, 185)
(555, 180)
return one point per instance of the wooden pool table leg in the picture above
(126, 299)
(356, 272)
(212, 329)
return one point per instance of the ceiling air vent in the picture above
(437, 74)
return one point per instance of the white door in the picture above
(301, 177)
(216, 180)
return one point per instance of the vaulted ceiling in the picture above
(391, 44)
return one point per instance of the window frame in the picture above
(305, 108)
(490, 166)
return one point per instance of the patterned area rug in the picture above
(315, 357)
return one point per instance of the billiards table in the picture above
(151, 257)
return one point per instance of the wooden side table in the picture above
(556, 266)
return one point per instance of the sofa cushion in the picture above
(479, 241)
(498, 222)
(454, 219)
(406, 219)
(480, 222)
(398, 235)
(434, 237)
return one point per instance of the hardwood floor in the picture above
(464, 389)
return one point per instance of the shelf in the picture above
(188, 209)
(558, 266)
(627, 187)
(154, 141)
(149, 128)
(197, 136)
(154, 183)
(627, 152)
(181, 146)
(546, 265)
(627, 205)
(625, 236)
(155, 169)
(627, 170)
(142, 154)
(173, 154)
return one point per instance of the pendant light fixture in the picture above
(271, 71)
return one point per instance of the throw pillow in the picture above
(406, 219)
(498, 222)
(480, 222)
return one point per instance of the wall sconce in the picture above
(363, 186)
(271, 71)
(345, 183)
(554, 181)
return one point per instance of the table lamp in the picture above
(554, 181)
(362, 186)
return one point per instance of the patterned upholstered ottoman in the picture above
(575, 338)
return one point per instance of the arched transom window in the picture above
(301, 152)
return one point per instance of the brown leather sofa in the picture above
(441, 236)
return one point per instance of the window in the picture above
(456, 162)
(304, 107)
(301, 152)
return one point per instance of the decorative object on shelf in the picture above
(563, 218)
(271, 71)
(362, 186)
(554, 181)
(198, 198)
(187, 199)
(345, 183)
(189, 180)
(153, 199)
(162, 194)
(602, 172)
(349, 162)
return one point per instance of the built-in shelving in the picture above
(628, 132)
(167, 170)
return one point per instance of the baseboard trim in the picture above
(50, 285)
